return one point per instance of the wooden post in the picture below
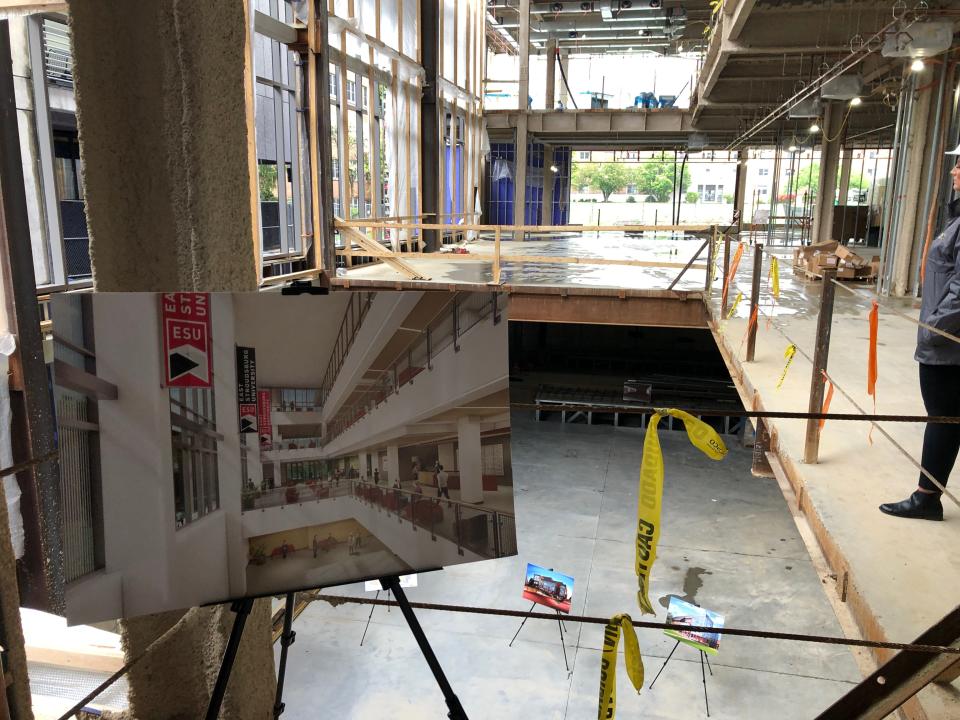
(754, 301)
(711, 254)
(811, 446)
(496, 256)
(726, 271)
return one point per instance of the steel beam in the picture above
(431, 123)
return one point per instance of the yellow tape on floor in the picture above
(608, 663)
(705, 439)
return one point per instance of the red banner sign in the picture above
(263, 419)
(187, 347)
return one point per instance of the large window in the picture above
(279, 138)
(193, 426)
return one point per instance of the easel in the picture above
(370, 616)
(562, 628)
(703, 672)
(242, 609)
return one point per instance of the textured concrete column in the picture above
(832, 141)
(393, 463)
(471, 460)
(740, 188)
(161, 91)
(447, 456)
(163, 97)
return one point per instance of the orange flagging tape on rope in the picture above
(872, 360)
(731, 273)
(750, 325)
(827, 399)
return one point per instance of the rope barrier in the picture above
(781, 414)
(873, 423)
(590, 620)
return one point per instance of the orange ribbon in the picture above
(827, 399)
(731, 273)
(874, 318)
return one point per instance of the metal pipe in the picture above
(886, 227)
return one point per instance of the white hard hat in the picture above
(955, 151)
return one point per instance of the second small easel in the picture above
(562, 629)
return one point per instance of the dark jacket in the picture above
(941, 297)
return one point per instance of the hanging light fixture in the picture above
(918, 65)
(854, 101)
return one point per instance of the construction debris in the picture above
(812, 260)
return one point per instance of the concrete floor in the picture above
(477, 267)
(901, 568)
(728, 542)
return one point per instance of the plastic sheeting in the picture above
(11, 489)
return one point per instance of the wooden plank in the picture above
(374, 191)
(691, 229)
(518, 259)
(606, 310)
(811, 447)
(395, 171)
(376, 250)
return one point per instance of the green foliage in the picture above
(692, 196)
(268, 182)
(808, 180)
(631, 199)
(605, 177)
(728, 198)
(655, 179)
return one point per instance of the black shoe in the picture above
(920, 505)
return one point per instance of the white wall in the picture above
(457, 378)
(385, 315)
(160, 567)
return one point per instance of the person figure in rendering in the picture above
(442, 477)
(939, 359)
(316, 546)
(376, 476)
(283, 549)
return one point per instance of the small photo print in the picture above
(680, 612)
(545, 586)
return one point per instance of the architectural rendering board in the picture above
(235, 445)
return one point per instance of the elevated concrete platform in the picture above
(898, 576)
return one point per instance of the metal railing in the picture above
(253, 498)
(353, 317)
(465, 312)
(488, 533)
(289, 399)
(298, 443)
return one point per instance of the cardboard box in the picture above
(823, 260)
(850, 257)
(847, 272)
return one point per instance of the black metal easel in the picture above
(703, 672)
(562, 628)
(370, 616)
(286, 640)
(242, 609)
(392, 584)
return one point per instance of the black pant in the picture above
(940, 388)
(443, 492)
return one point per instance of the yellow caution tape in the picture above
(705, 439)
(775, 277)
(736, 302)
(788, 354)
(608, 663)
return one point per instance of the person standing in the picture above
(939, 359)
(442, 477)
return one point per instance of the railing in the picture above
(253, 498)
(357, 229)
(353, 316)
(286, 399)
(464, 313)
(488, 533)
(299, 443)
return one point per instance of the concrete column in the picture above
(832, 141)
(523, 92)
(564, 63)
(447, 456)
(471, 460)
(551, 93)
(913, 153)
(165, 116)
(843, 189)
(393, 463)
